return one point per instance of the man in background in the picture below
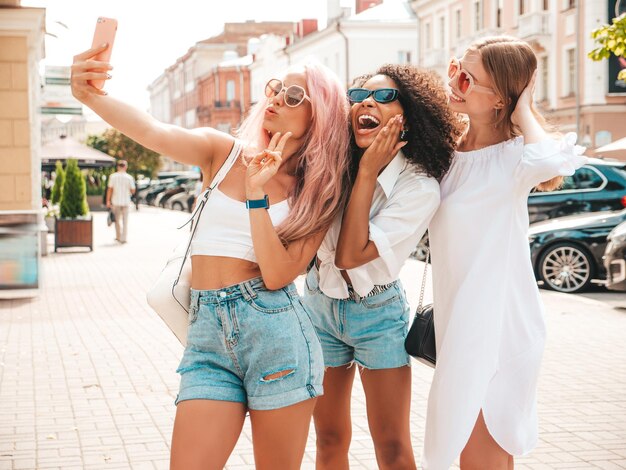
(121, 187)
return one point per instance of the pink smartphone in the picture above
(105, 32)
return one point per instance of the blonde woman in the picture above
(489, 322)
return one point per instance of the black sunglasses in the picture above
(381, 95)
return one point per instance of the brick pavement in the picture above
(87, 375)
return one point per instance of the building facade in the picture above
(174, 95)
(21, 48)
(224, 94)
(572, 90)
(353, 43)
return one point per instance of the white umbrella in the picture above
(613, 146)
(66, 147)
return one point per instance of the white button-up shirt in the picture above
(122, 184)
(404, 201)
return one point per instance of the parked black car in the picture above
(567, 252)
(598, 186)
(615, 258)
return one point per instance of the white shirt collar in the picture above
(387, 179)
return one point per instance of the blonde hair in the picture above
(511, 63)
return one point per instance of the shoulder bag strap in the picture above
(421, 304)
(219, 176)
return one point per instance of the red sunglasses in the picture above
(466, 83)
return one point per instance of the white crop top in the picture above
(224, 227)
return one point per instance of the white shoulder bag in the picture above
(170, 295)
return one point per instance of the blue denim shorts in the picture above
(370, 332)
(250, 345)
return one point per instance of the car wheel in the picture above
(566, 267)
(178, 206)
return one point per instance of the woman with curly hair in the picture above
(489, 324)
(357, 303)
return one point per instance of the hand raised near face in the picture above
(384, 148)
(264, 165)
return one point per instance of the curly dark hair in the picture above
(433, 130)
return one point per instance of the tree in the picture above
(611, 39)
(74, 195)
(57, 189)
(140, 159)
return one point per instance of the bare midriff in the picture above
(215, 272)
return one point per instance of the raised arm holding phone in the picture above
(251, 346)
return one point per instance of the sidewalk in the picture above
(87, 370)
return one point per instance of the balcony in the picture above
(435, 58)
(203, 112)
(226, 104)
(533, 25)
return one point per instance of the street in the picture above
(87, 369)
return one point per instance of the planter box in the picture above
(73, 232)
(95, 203)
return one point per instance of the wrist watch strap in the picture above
(258, 203)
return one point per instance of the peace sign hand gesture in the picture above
(265, 165)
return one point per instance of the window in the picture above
(543, 81)
(571, 4)
(499, 14)
(230, 90)
(404, 57)
(522, 7)
(584, 178)
(427, 42)
(190, 118)
(458, 24)
(546, 5)
(571, 72)
(442, 32)
(478, 15)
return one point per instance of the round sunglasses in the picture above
(466, 83)
(294, 94)
(381, 95)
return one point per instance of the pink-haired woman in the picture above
(251, 345)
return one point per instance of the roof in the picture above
(389, 10)
(65, 148)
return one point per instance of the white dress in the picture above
(489, 322)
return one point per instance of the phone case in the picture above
(105, 32)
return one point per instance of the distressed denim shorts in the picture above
(370, 332)
(250, 345)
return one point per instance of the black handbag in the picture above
(420, 341)
(110, 217)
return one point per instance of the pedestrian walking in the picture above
(251, 346)
(120, 188)
(489, 323)
(404, 137)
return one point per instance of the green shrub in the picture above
(73, 197)
(57, 189)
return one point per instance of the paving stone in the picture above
(87, 369)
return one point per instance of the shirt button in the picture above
(222, 294)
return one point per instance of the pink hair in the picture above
(322, 177)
